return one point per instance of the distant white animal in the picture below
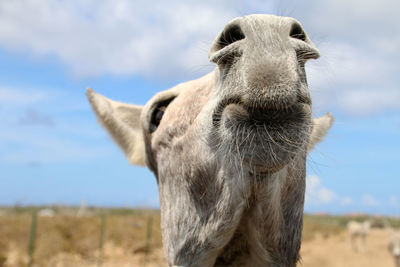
(46, 213)
(82, 211)
(394, 246)
(358, 231)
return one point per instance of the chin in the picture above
(264, 140)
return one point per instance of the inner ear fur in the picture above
(320, 129)
(122, 122)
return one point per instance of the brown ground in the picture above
(67, 241)
(335, 251)
(319, 252)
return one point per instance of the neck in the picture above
(269, 233)
(219, 220)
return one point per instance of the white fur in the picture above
(358, 232)
(122, 121)
(229, 153)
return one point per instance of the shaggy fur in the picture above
(229, 152)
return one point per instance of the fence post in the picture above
(32, 237)
(149, 228)
(101, 240)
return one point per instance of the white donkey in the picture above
(394, 246)
(229, 149)
(358, 233)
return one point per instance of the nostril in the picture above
(297, 32)
(231, 34)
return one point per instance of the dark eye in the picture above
(157, 116)
(297, 32)
(158, 113)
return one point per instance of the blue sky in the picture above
(52, 151)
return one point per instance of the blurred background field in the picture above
(68, 236)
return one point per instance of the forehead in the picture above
(266, 18)
(186, 106)
(266, 21)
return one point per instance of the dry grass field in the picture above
(65, 240)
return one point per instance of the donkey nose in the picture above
(224, 50)
(267, 74)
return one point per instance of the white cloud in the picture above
(358, 70)
(394, 201)
(326, 195)
(316, 193)
(342, 62)
(33, 117)
(25, 144)
(319, 196)
(67, 137)
(50, 149)
(345, 78)
(345, 201)
(371, 14)
(369, 200)
(16, 98)
(367, 102)
(117, 37)
(357, 73)
(313, 182)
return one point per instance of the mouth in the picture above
(264, 138)
(258, 114)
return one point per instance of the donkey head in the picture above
(214, 142)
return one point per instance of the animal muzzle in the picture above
(274, 85)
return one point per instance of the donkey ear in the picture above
(320, 128)
(122, 122)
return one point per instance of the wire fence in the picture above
(50, 236)
(101, 239)
(32, 237)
